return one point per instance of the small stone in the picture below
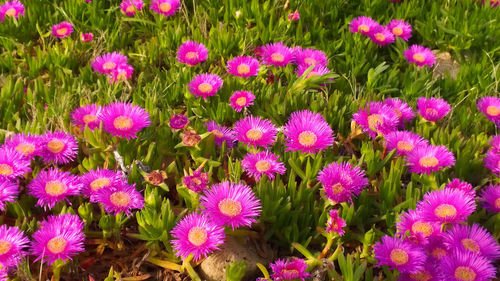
(446, 64)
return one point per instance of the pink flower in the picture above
(11, 9)
(335, 223)
(60, 147)
(243, 66)
(399, 254)
(490, 106)
(129, 7)
(276, 54)
(403, 141)
(402, 109)
(108, 62)
(124, 119)
(87, 115)
(241, 99)
(432, 109)
(119, 198)
(165, 7)
(53, 186)
(192, 53)
(400, 29)
(293, 16)
(62, 29)
(382, 36)
(86, 37)
(363, 25)
(425, 159)
(255, 131)
(205, 85)
(420, 56)
(342, 181)
(446, 206)
(307, 132)
(262, 163)
(376, 119)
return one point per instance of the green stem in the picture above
(56, 270)
(264, 271)
(336, 253)
(186, 264)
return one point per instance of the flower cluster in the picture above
(114, 65)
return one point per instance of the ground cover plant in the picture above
(249, 140)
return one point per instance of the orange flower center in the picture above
(428, 161)
(25, 148)
(307, 138)
(205, 87)
(337, 188)
(364, 28)
(4, 246)
(122, 76)
(438, 253)
(431, 111)
(165, 7)
(397, 31)
(243, 68)
(497, 203)
(55, 188)
(470, 244)
(109, 65)
(277, 57)
(421, 276)
(374, 120)
(493, 110)
(262, 166)
(241, 101)
(123, 122)
(197, 236)
(120, 199)
(55, 146)
(465, 273)
(192, 55)
(57, 245)
(405, 146)
(380, 37)
(229, 207)
(89, 118)
(11, 12)
(217, 133)
(445, 211)
(254, 134)
(99, 183)
(399, 256)
(6, 170)
(62, 31)
(196, 181)
(422, 227)
(310, 61)
(130, 9)
(419, 57)
(290, 271)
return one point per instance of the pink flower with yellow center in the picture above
(197, 182)
(192, 53)
(490, 196)
(221, 133)
(26, 144)
(86, 37)
(427, 273)
(432, 109)
(363, 25)
(417, 227)
(62, 29)
(316, 71)
(124, 120)
(376, 119)
(463, 186)
(87, 115)
(12, 244)
(472, 238)
(308, 57)
(420, 56)
(241, 99)
(130, 7)
(289, 270)
(490, 106)
(466, 266)
(435, 248)
(59, 147)
(121, 73)
(276, 54)
(342, 181)
(52, 186)
(335, 223)
(446, 206)
(97, 179)
(425, 159)
(262, 163)
(107, 63)
(403, 111)
(399, 254)
(13, 164)
(255, 131)
(492, 161)
(9, 191)
(196, 235)
(205, 85)
(11, 9)
(307, 132)
(231, 204)
(400, 29)
(243, 66)
(382, 36)
(165, 7)
(403, 141)
(121, 197)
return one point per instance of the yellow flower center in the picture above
(445, 211)
(493, 110)
(109, 65)
(6, 170)
(217, 133)
(422, 227)
(497, 203)
(380, 37)
(165, 7)
(120, 199)
(364, 28)
(405, 146)
(62, 31)
(130, 9)
(25, 148)
(196, 181)
(428, 161)
(123, 122)
(229, 207)
(241, 101)
(122, 76)
(99, 183)
(197, 236)
(192, 55)
(419, 57)
(431, 111)
(89, 118)
(262, 166)
(290, 271)
(470, 244)
(421, 276)
(307, 138)
(4, 246)
(337, 188)
(399, 256)
(55, 146)
(243, 68)
(55, 188)
(310, 61)
(277, 57)
(374, 120)
(465, 273)
(205, 87)
(254, 134)
(57, 245)
(11, 12)
(397, 31)
(438, 253)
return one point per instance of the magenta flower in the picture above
(363, 25)
(417, 227)
(492, 161)
(463, 186)
(435, 249)
(121, 73)
(107, 63)
(427, 273)
(425, 159)
(86, 37)
(192, 53)
(196, 235)
(205, 85)
(490, 106)
(62, 29)
(11, 9)
(446, 206)
(403, 141)
(165, 7)
(53, 186)
(243, 66)
(465, 266)
(495, 143)
(399, 254)
(59, 147)
(119, 198)
(26, 144)
(178, 121)
(432, 109)
(12, 242)
(124, 119)
(221, 133)
(400, 29)
(403, 111)
(335, 223)
(316, 71)
(490, 196)
(276, 54)
(307, 132)
(308, 57)
(197, 182)
(420, 56)
(60, 237)
(13, 164)
(472, 238)
(341, 182)
(376, 119)
(255, 131)
(261, 163)
(9, 191)
(241, 99)
(382, 36)
(289, 270)
(87, 115)
(293, 16)
(231, 204)
(130, 7)
(94, 180)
